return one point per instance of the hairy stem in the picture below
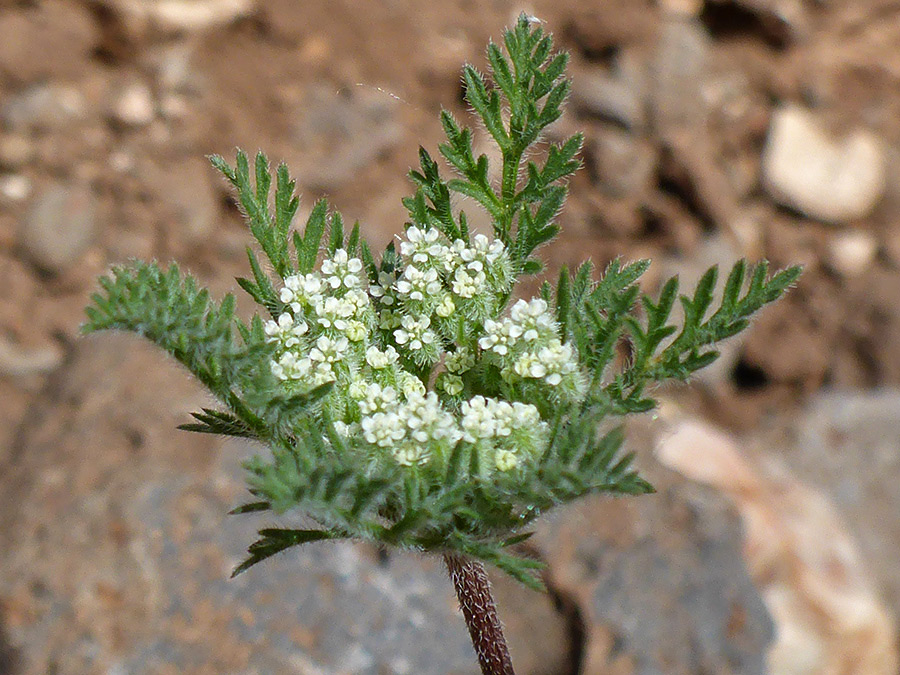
(477, 603)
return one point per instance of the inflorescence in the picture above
(373, 341)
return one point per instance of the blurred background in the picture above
(714, 130)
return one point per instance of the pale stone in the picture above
(826, 179)
(851, 253)
(134, 106)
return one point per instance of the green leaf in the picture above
(337, 233)
(252, 507)
(218, 422)
(273, 541)
(308, 252)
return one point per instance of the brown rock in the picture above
(117, 551)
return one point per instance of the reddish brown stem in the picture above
(477, 603)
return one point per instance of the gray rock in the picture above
(680, 67)
(848, 445)
(610, 98)
(43, 107)
(119, 552)
(830, 180)
(828, 615)
(624, 164)
(661, 583)
(59, 226)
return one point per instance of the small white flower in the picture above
(301, 290)
(355, 331)
(410, 454)
(530, 365)
(486, 418)
(328, 350)
(286, 330)
(418, 285)
(409, 384)
(467, 285)
(357, 390)
(381, 359)
(534, 319)
(500, 336)
(377, 399)
(321, 374)
(445, 307)
(477, 419)
(331, 311)
(426, 420)
(342, 270)
(290, 367)
(505, 460)
(415, 333)
(424, 247)
(559, 360)
(346, 430)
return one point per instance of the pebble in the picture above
(15, 187)
(59, 226)
(178, 16)
(172, 66)
(134, 106)
(609, 98)
(851, 253)
(17, 361)
(43, 107)
(680, 67)
(830, 180)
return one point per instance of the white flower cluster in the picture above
(411, 431)
(327, 314)
(528, 345)
(367, 338)
(510, 427)
(442, 283)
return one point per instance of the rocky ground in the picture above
(715, 130)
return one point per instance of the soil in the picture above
(345, 96)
